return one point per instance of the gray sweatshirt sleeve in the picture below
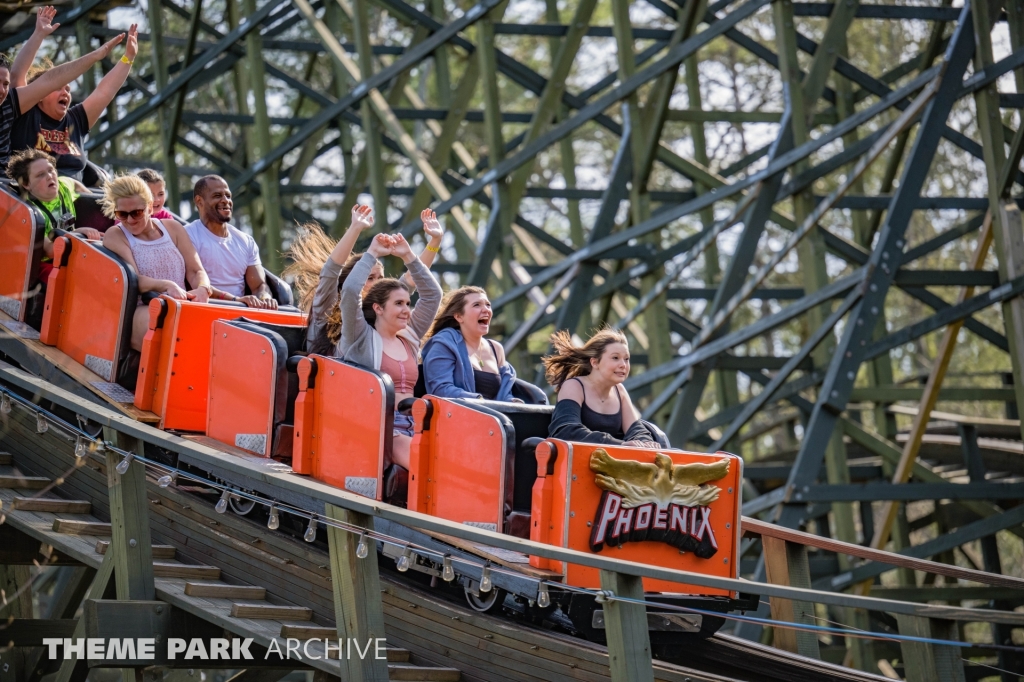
(353, 324)
(430, 298)
(324, 297)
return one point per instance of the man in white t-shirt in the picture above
(230, 256)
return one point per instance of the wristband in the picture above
(125, 60)
(434, 249)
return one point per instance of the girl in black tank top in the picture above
(599, 421)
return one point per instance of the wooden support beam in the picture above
(930, 662)
(25, 632)
(74, 527)
(163, 569)
(629, 642)
(24, 482)
(786, 564)
(76, 669)
(52, 505)
(271, 612)
(159, 551)
(130, 542)
(358, 610)
(222, 591)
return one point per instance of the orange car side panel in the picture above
(149, 362)
(541, 525)
(347, 442)
(464, 458)
(94, 309)
(56, 281)
(181, 379)
(574, 512)
(305, 418)
(18, 234)
(243, 370)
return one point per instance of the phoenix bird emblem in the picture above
(661, 483)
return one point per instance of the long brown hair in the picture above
(453, 304)
(570, 360)
(379, 294)
(308, 252)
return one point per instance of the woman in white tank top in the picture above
(159, 250)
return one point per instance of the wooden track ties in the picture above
(163, 569)
(23, 482)
(271, 612)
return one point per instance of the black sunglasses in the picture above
(134, 215)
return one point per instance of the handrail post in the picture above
(358, 611)
(786, 564)
(924, 662)
(130, 541)
(629, 643)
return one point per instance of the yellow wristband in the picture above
(124, 58)
(434, 249)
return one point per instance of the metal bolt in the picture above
(725, 560)
(730, 491)
(589, 524)
(332, 372)
(835, 394)
(574, 477)
(572, 514)
(728, 525)
(490, 433)
(874, 310)
(263, 352)
(371, 390)
(132, 543)
(159, 609)
(873, 287)
(850, 376)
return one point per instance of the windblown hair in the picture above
(37, 70)
(570, 360)
(123, 187)
(308, 252)
(454, 303)
(150, 176)
(379, 294)
(20, 162)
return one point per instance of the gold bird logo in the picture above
(661, 483)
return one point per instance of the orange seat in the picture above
(21, 250)
(90, 297)
(646, 509)
(461, 462)
(251, 392)
(174, 370)
(344, 416)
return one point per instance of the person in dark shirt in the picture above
(24, 96)
(593, 406)
(58, 128)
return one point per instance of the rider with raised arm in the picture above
(231, 257)
(320, 267)
(59, 128)
(18, 96)
(381, 331)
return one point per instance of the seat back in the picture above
(21, 250)
(174, 370)
(528, 421)
(461, 462)
(90, 298)
(89, 214)
(660, 507)
(344, 416)
(250, 392)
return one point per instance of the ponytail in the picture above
(569, 360)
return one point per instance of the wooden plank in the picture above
(159, 551)
(52, 505)
(499, 557)
(765, 529)
(271, 612)
(130, 541)
(412, 672)
(224, 591)
(6, 459)
(74, 527)
(167, 570)
(23, 482)
(85, 377)
(357, 602)
(629, 642)
(308, 632)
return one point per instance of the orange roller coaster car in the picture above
(21, 250)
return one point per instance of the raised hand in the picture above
(381, 246)
(401, 248)
(431, 226)
(362, 217)
(104, 50)
(44, 20)
(131, 48)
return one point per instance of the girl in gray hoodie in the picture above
(381, 331)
